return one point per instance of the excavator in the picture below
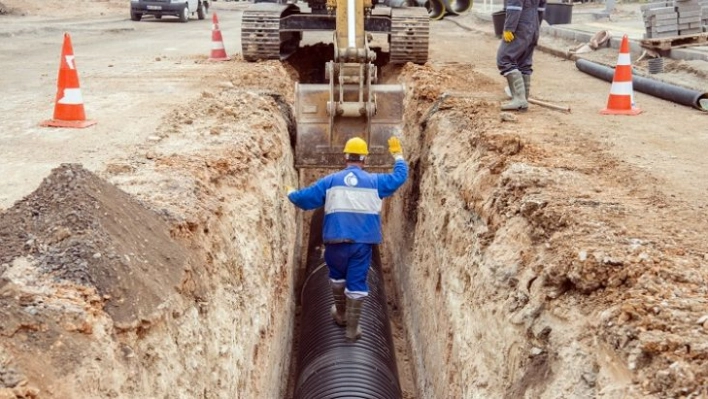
(352, 102)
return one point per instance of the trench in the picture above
(429, 264)
(461, 307)
(323, 364)
(448, 292)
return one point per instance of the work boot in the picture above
(527, 85)
(353, 315)
(518, 92)
(340, 304)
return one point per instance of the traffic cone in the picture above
(621, 100)
(69, 104)
(217, 43)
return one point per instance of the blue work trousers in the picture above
(350, 262)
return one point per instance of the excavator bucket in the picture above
(320, 138)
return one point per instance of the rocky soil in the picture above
(114, 292)
(536, 255)
(563, 271)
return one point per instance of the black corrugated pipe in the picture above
(327, 365)
(665, 91)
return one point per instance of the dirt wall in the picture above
(217, 322)
(524, 275)
(227, 182)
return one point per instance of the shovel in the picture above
(556, 107)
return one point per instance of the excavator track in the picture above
(410, 30)
(261, 38)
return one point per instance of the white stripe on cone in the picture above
(71, 97)
(217, 45)
(621, 88)
(624, 59)
(70, 61)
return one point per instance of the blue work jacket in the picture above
(352, 199)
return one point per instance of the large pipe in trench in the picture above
(327, 365)
(665, 91)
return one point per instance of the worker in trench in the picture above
(515, 54)
(352, 200)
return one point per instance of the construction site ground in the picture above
(154, 255)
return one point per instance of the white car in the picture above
(181, 9)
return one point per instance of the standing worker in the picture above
(515, 55)
(352, 200)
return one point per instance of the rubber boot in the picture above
(353, 315)
(340, 304)
(527, 85)
(518, 92)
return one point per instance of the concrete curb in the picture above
(565, 32)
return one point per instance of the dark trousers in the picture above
(517, 54)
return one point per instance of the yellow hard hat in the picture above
(356, 145)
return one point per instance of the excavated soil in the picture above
(160, 292)
(75, 248)
(556, 266)
(540, 255)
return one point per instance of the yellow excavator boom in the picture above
(351, 104)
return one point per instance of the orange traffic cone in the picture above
(621, 100)
(69, 104)
(217, 43)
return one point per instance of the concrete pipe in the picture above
(396, 3)
(327, 365)
(436, 9)
(457, 7)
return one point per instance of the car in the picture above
(181, 9)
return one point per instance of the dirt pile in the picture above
(84, 231)
(75, 247)
(554, 275)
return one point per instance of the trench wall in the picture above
(467, 258)
(214, 172)
(233, 337)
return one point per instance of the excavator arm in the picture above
(352, 72)
(349, 35)
(329, 115)
(351, 102)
